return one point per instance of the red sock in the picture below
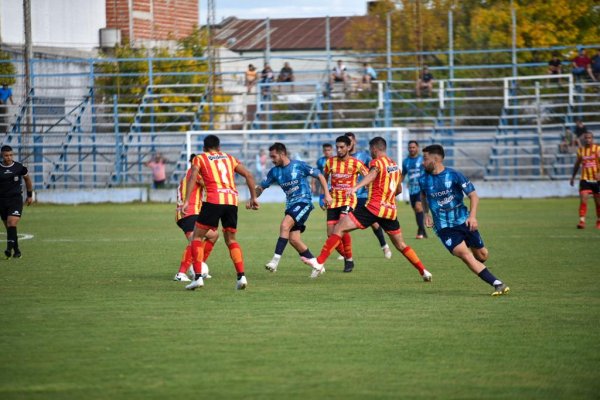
(330, 244)
(208, 247)
(597, 208)
(197, 255)
(582, 209)
(186, 259)
(340, 249)
(235, 252)
(413, 258)
(347, 242)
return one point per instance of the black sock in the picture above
(280, 246)
(307, 254)
(419, 216)
(240, 274)
(11, 238)
(379, 233)
(488, 277)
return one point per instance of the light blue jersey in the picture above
(321, 164)
(413, 168)
(365, 158)
(293, 181)
(445, 192)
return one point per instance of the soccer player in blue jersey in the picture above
(327, 154)
(442, 192)
(363, 193)
(412, 166)
(292, 177)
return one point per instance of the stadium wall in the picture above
(506, 190)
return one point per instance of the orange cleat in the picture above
(581, 225)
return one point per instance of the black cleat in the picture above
(348, 266)
(7, 254)
(17, 253)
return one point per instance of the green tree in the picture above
(7, 69)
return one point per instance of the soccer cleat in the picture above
(340, 258)
(271, 266)
(387, 253)
(205, 274)
(317, 269)
(419, 236)
(17, 253)
(198, 283)
(242, 283)
(348, 265)
(181, 277)
(500, 289)
(7, 254)
(581, 225)
(426, 276)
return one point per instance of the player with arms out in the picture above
(186, 219)
(588, 158)
(292, 177)
(343, 170)
(217, 170)
(363, 193)
(12, 174)
(412, 166)
(384, 185)
(442, 192)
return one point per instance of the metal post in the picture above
(268, 41)
(514, 40)
(389, 45)
(117, 140)
(327, 75)
(450, 45)
(538, 109)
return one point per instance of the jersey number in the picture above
(223, 171)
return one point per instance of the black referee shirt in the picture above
(11, 180)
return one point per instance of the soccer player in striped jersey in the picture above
(384, 185)
(292, 177)
(588, 158)
(363, 194)
(412, 166)
(343, 171)
(442, 192)
(217, 170)
(186, 219)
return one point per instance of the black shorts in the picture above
(365, 218)
(187, 223)
(335, 214)
(452, 237)
(299, 213)
(11, 207)
(211, 214)
(414, 199)
(360, 202)
(589, 186)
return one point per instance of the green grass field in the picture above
(90, 311)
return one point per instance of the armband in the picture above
(29, 193)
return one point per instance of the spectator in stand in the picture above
(425, 82)
(339, 74)
(251, 77)
(580, 129)
(286, 74)
(158, 167)
(582, 65)
(569, 141)
(555, 65)
(266, 76)
(368, 75)
(5, 97)
(596, 65)
(261, 164)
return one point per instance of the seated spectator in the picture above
(266, 76)
(425, 82)
(569, 142)
(368, 75)
(251, 77)
(580, 129)
(582, 66)
(555, 65)
(596, 65)
(339, 74)
(286, 74)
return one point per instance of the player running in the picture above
(186, 219)
(588, 157)
(327, 154)
(384, 184)
(292, 177)
(217, 170)
(363, 193)
(442, 192)
(412, 166)
(343, 171)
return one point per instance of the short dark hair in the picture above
(413, 141)
(350, 134)
(435, 149)
(211, 142)
(344, 139)
(326, 145)
(378, 142)
(278, 147)
(192, 156)
(5, 148)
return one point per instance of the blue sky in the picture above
(251, 9)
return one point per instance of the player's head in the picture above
(413, 148)
(352, 137)
(7, 154)
(212, 142)
(327, 150)
(278, 154)
(587, 139)
(342, 146)
(192, 156)
(432, 156)
(377, 146)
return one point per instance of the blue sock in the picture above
(487, 276)
(280, 246)
(307, 254)
(379, 233)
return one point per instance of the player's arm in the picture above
(328, 200)
(190, 185)
(472, 220)
(252, 204)
(575, 169)
(428, 218)
(29, 188)
(370, 177)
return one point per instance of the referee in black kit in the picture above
(12, 174)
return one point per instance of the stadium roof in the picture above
(241, 35)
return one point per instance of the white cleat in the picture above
(198, 283)
(205, 274)
(387, 253)
(317, 269)
(340, 258)
(271, 266)
(427, 276)
(181, 277)
(242, 283)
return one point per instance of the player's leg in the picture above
(481, 254)
(464, 253)
(186, 224)
(392, 228)
(207, 220)
(284, 235)
(4, 215)
(378, 232)
(297, 243)
(584, 193)
(596, 192)
(229, 218)
(419, 215)
(333, 217)
(12, 238)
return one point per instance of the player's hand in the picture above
(252, 204)
(428, 221)
(327, 200)
(472, 223)
(350, 192)
(29, 200)
(572, 181)
(184, 205)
